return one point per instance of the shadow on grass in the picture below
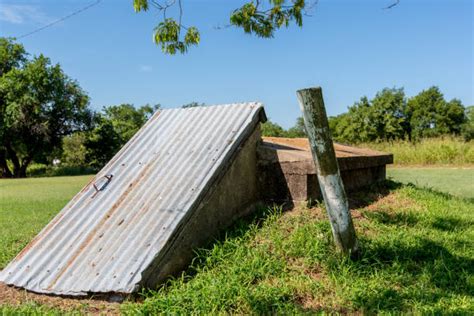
(398, 219)
(426, 261)
(449, 224)
(408, 261)
(370, 194)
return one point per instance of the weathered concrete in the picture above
(233, 195)
(287, 171)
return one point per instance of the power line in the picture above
(60, 20)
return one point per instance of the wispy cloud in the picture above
(23, 13)
(145, 68)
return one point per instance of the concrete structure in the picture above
(187, 174)
(287, 171)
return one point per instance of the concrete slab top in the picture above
(296, 151)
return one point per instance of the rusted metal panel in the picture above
(114, 228)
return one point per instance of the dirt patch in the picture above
(11, 296)
(394, 203)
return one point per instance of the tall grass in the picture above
(430, 151)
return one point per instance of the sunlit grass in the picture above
(27, 205)
(455, 181)
(417, 256)
(430, 151)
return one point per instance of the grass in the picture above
(27, 205)
(417, 256)
(455, 181)
(430, 151)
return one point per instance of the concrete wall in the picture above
(235, 194)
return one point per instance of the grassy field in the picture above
(417, 256)
(431, 151)
(26, 205)
(456, 181)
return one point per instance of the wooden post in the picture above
(332, 188)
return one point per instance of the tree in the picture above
(113, 128)
(39, 105)
(12, 55)
(298, 130)
(127, 120)
(431, 115)
(339, 125)
(102, 143)
(388, 114)
(270, 129)
(259, 17)
(74, 150)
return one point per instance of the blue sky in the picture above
(350, 48)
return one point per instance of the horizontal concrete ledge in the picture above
(287, 171)
(294, 155)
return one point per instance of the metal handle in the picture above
(108, 177)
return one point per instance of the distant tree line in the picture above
(45, 117)
(390, 115)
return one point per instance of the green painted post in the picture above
(317, 127)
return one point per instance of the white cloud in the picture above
(23, 13)
(146, 68)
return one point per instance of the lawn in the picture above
(455, 181)
(26, 205)
(417, 256)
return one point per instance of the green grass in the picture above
(417, 257)
(27, 205)
(430, 151)
(455, 181)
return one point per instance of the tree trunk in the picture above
(327, 168)
(14, 159)
(24, 165)
(4, 170)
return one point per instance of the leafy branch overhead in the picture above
(259, 17)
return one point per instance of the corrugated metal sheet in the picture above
(103, 240)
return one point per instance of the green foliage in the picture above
(391, 116)
(102, 143)
(12, 55)
(263, 23)
(431, 115)
(167, 34)
(74, 149)
(39, 105)
(381, 118)
(42, 170)
(298, 130)
(261, 18)
(271, 129)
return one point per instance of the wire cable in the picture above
(60, 20)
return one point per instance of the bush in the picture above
(41, 170)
